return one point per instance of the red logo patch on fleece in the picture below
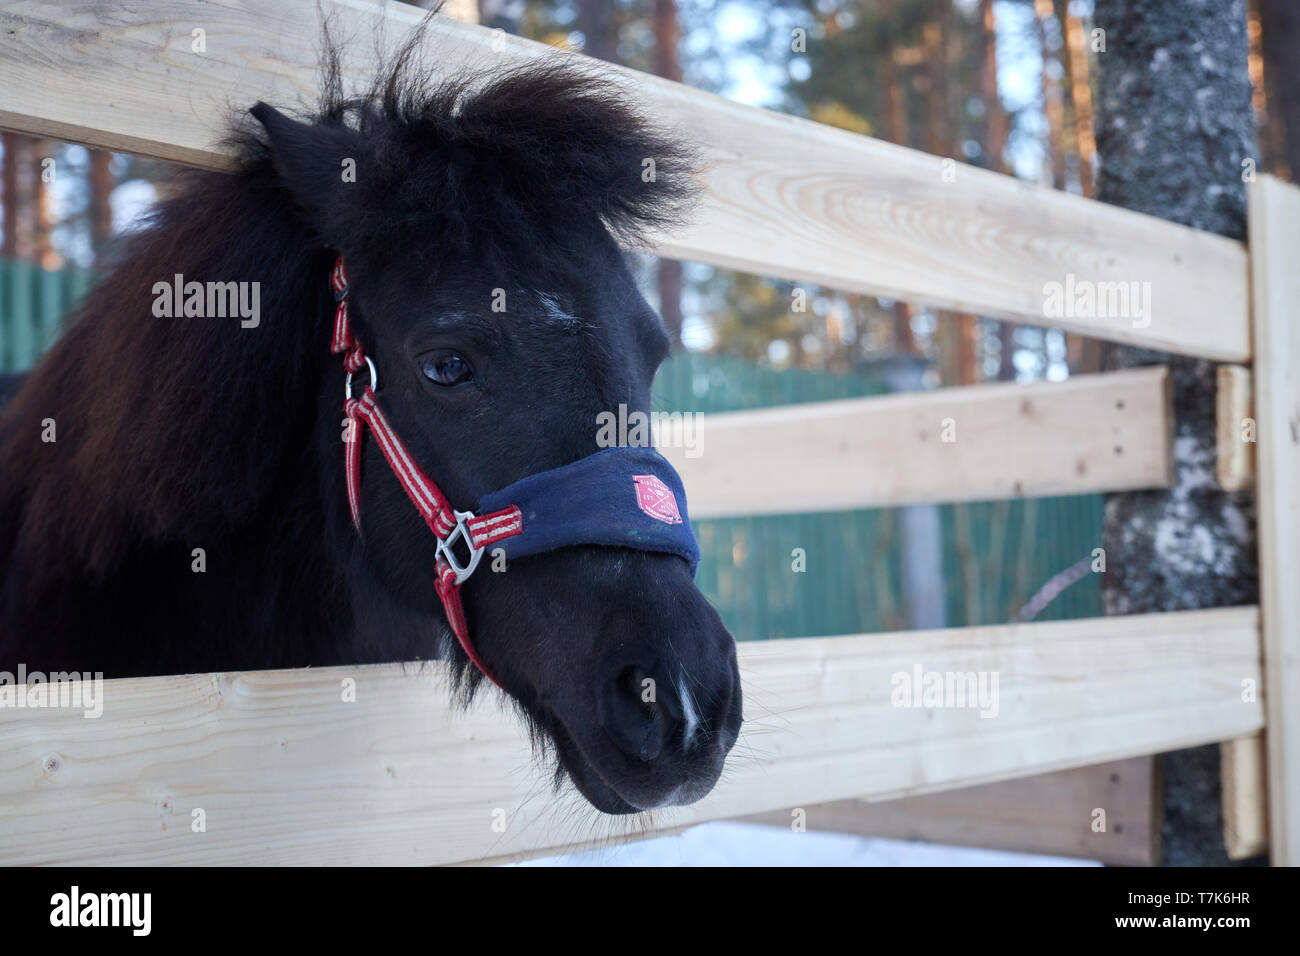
(656, 499)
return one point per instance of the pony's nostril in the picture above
(638, 717)
(638, 685)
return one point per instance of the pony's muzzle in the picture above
(672, 725)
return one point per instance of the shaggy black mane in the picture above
(512, 163)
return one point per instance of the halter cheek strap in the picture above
(449, 526)
(625, 497)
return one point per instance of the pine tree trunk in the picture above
(596, 23)
(1280, 34)
(1053, 97)
(1080, 97)
(1174, 123)
(9, 196)
(993, 140)
(896, 132)
(667, 65)
(101, 199)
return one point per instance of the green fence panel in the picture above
(33, 304)
(996, 555)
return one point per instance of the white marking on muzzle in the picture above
(688, 712)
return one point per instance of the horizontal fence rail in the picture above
(285, 771)
(1090, 433)
(785, 197)
(1052, 814)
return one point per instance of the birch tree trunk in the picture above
(1174, 125)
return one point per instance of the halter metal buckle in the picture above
(445, 552)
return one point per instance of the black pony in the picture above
(172, 490)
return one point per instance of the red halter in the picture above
(446, 523)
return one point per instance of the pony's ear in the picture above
(312, 162)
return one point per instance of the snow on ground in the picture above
(728, 843)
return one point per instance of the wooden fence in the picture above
(286, 772)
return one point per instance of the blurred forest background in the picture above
(1002, 84)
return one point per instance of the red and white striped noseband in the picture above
(477, 532)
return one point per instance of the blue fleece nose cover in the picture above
(624, 497)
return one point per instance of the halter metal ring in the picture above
(374, 379)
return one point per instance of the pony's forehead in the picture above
(543, 308)
(458, 285)
(599, 298)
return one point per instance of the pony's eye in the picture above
(447, 368)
